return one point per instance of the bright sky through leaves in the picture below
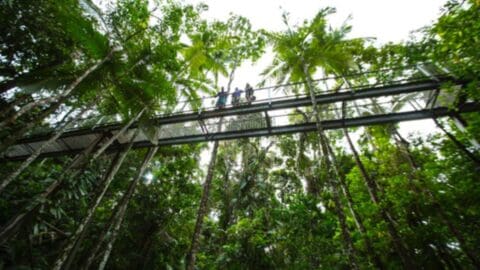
(384, 20)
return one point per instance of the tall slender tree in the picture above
(236, 43)
(299, 54)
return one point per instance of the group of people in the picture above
(236, 95)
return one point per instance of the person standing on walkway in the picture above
(222, 98)
(249, 94)
(236, 96)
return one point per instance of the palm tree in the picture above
(298, 55)
(234, 42)
(204, 55)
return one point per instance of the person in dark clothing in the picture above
(249, 94)
(222, 99)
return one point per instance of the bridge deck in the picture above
(263, 118)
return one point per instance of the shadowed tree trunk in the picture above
(203, 207)
(19, 132)
(226, 216)
(249, 172)
(29, 77)
(7, 85)
(398, 243)
(29, 211)
(462, 147)
(332, 174)
(12, 226)
(376, 260)
(27, 108)
(400, 247)
(39, 150)
(310, 179)
(403, 144)
(118, 216)
(74, 243)
(462, 125)
(350, 203)
(8, 107)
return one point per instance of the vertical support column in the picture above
(269, 96)
(268, 121)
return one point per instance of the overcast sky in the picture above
(388, 20)
(385, 20)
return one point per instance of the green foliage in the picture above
(272, 205)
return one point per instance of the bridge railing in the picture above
(334, 111)
(333, 84)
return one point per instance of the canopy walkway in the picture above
(273, 113)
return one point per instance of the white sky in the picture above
(384, 20)
(388, 20)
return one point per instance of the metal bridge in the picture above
(274, 112)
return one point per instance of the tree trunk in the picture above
(74, 243)
(403, 146)
(203, 207)
(8, 107)
(22, 79)
(310, 179)
(18, 133)
(398, 243)
(346, 192)
(376, 260)
(226, 215)
(371, 185)
(79, 161)
(120, 132)
(462, 125)
(332, 175)
(146, 245)
(202, 210)
(16, 222)
(7, 85)
(118, 215)
(400, 247)
(471, 254)
(446, 220)
(26, 108)
(458, 143)
(37, 152)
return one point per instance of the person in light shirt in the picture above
(236, 96)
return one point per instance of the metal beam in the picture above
(328, 124)
(289, 129)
